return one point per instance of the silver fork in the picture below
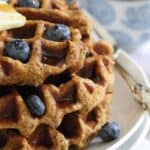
(140, 91)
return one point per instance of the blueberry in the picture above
(18, 49)
(35, 105)
(58, 33)
(109, 132)
(29, 3)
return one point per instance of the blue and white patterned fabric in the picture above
(138, 18)
(105, 12)
(128, 22)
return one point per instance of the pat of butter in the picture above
(10, 18)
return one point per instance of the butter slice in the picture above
(10, 18)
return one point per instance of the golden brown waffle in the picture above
(81, 102)
(71, 124)
(75, 110)
(76, 87)
(47, 57)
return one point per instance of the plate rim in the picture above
(144, 115)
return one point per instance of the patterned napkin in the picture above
(128, 22)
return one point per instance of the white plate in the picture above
(127, 113)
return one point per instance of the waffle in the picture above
(75, 109)
(47, 57)
(63, 126)
(76, 90)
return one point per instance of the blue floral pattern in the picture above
(128, 22)
(124, 40)
(144, 37)
(138, 18)
(102, 10)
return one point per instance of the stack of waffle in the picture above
(73, 78)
